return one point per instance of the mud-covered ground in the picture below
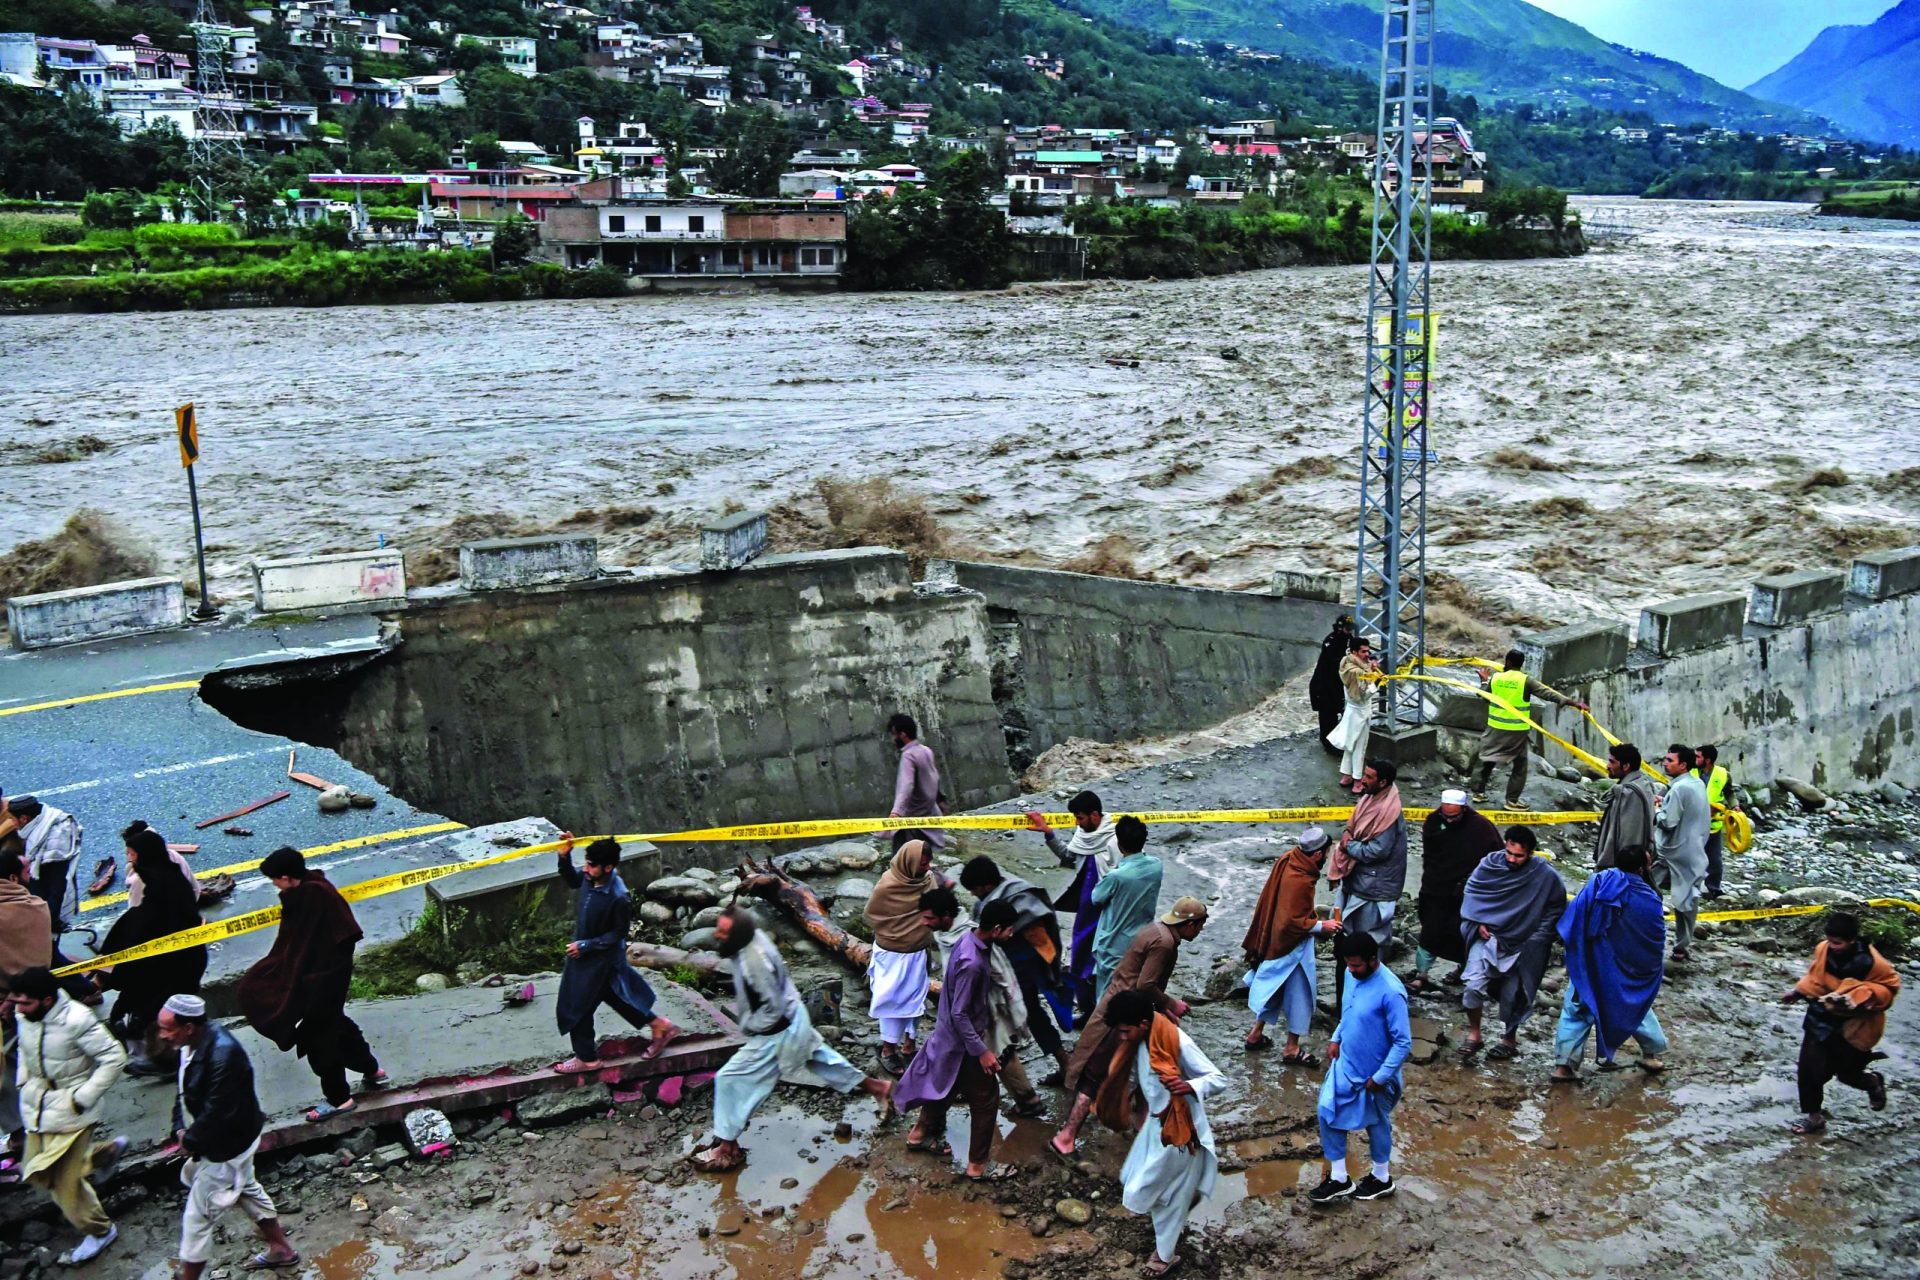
(1689, 1173)
(1725, 395)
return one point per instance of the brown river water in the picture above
(1730, 392)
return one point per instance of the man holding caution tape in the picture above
(1509, 736)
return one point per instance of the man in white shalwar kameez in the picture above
(1172, 1165)
(781, 1044)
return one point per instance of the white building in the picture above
(516, 52)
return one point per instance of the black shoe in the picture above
(1713, 893)
(1330, 1190)
(1372, 1188)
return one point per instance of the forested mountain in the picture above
(1867, 78)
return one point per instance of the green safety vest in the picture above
(1510, 687)
(1716, 794)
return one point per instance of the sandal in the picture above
(1304, 1058)
(376, 1080)
(931, 1147)
(1808, 1125)
(660, 1040)
(103, 877)
(1876, 1091)
(712, 1161)
(1570, 1077)
(995, 1173)
(1164, 1269)
(1471, 1048)
(1259, 1044)
(1031, 1107)
(1613, 1064)
(1652, 1066)
(265, 1261)
(575, 1067)
(327, 1110)
(1502, 1052)
(1418, 985)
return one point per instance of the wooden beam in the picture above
(244, 810)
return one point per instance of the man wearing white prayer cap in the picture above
(1453, 842)
(217, 1122)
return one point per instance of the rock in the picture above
(1427, 1029)
(1809, 796)
(1893, 793)
(1179, 835)
(1821, 895)
(831, 1034)
(433, 982)
(1224, 982)
(1769, 895)
(334, 800)
(1229, 353)
(682, 891)
(36, 1232)
(843, 1130)
(479, 1196)
(698, 940)
(702, 874)
(894, 1205)
(729, 887)
(361, 800)
(394, 1223)
(706, 917)
(1078, 1212)
(544, 1110)
(361, 1141)
(854, 888)
(655, 913)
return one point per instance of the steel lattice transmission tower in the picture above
(1390, 596)
(214, 155)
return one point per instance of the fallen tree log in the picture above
(707, 964)
(803, 905)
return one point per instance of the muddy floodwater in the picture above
(1729, 392)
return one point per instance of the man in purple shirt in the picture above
(916, 788)
(958, 1064)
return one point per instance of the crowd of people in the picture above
(1093, 998)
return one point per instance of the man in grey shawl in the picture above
(1680, 843)
(781, 1044)
(1627, 820)
(1509, 917)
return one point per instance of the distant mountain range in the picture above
(1503, 51)
(1865, 78)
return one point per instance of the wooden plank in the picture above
(275, 798)
(318, 784)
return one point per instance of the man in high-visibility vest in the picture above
(1719, 784)
(1509, 737)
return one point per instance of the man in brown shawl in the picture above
(1279, 948)
(296, 995)
(1146, 967)
(897, 975)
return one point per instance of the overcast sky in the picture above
(1734, 41)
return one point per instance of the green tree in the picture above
(484, 152)
(514, 242)
(758, 145)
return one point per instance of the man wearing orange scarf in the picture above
(1156, 1087)
(1848, 989)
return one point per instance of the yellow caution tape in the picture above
(99, 697)
(1774, 913)
(318, 851)
(249, 922)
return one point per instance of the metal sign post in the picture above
(189, 432)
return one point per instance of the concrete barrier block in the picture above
(1692, 622)
(732, 541)
(1784, 599)
(502, 563)
(490, 898)
(1881, 575)
(1309, 584)
(112, 609)
(1576, 652)
(318, 582)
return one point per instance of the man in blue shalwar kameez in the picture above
(1363, 1082)
(597, 971)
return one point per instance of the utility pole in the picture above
(1390, 594)
(214, 153)
(187, 427)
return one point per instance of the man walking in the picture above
(296, 995)
(916, 783)
(1279, 947)
(26, 942)
(959, 1062)
(1006, 1005)
(781, 1044)
(597, 970)
(1508, 918)
(1509, 736)
(217, 1121)
(1127, 901)
(1613, 931)
(52, 840)
(1454, 841)
(1034, 950)
(1370, 862)
(1680, 826)
(1626, 821)
(1719, 786)
(1092, 853)
(1350, 736)
(67, 1062)
(1363, 1081)
(1157, 1083)
(1848, 989)
(1146, 967)
(1324, 690)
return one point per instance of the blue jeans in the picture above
(1577, 1021)
(1379, 1141)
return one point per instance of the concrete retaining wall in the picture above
(1108, 658)
(112, 609)
(329, 582)
(1812, 684)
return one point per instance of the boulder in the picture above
(654, 913)
(432, 982)
(682, 891)
(700, 873)
(854, 889)
(1424, 1051)
(706, 917)
(1819, 895)
(697, 940)
(334, 800)
(1809, 796)
(1078, 1212)
(1893, 792)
